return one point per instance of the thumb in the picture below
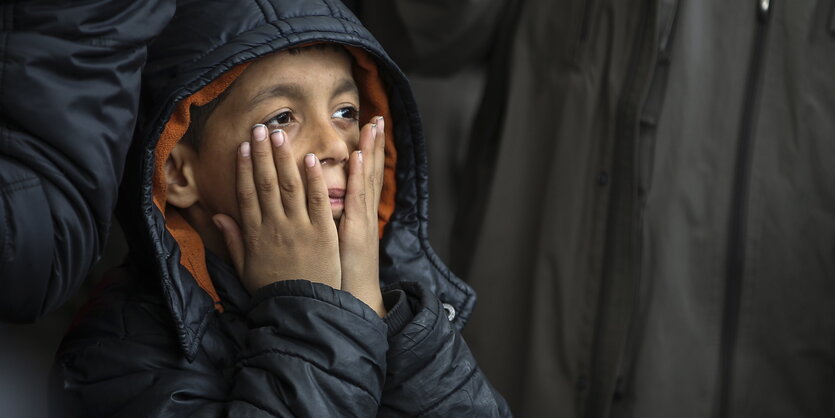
(234, 240)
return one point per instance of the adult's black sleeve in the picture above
(69, 92)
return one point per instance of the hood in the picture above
(205, 47)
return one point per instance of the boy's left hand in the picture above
(359, 242)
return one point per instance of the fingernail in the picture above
(218, 224)
(310, 160)
(373, 130)
(359, 156)
(277, 136)
(245, 149)
(259, 132)
(381, 123)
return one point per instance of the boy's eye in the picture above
(281, 119)
(348, 112)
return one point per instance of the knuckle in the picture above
(323, 240)
(314, 177)
(318, 198)
(283, 157)
(259, 152)
(246, 196)
(288, 189)
(280, 238)
(266, 185)
(251, 241)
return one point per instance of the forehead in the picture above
(309, 67)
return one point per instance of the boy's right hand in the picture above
(285, 233)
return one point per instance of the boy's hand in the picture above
(284, 235)
(359, 244)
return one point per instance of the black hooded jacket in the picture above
(154, 342)
(69, 92)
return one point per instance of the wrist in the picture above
(380, 308)
(374, 299)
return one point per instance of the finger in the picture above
(355, 193)
(234, 240)
(289, 179)
(264, 175)
(379, 159)
(366, 145)
(318, 202)
(247, 196)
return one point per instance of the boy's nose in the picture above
(328, 144)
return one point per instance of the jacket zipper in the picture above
(739, 211)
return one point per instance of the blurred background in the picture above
(27, 351)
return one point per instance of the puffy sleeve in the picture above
(304, 349)
(70, 82)
(431, 371)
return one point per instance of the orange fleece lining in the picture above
(373, 102)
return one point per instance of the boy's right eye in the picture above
(281, 119)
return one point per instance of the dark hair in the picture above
(199, 117)
(318, 47)
(200, 114)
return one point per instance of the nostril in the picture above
(327, 161)
(331, 148)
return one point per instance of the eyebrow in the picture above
(295, 92)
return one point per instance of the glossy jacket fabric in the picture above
(151, 343)
(70, 89)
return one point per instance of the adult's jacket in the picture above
(649, 213)
(69, 91)
(173, 333)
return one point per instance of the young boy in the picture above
(250, 153)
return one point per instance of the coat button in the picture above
(450, 311)
(582, 383)
(620, 389)
(603, 178)
(763, 9)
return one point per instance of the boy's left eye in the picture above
(348, 112)
(281, 119)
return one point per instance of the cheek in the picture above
(217, 182)
(353, 138)
(299, 159)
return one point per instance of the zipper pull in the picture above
(763, 9)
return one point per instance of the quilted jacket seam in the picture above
(282, 34)
(454, 390)
(296, 356)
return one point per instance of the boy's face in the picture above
(310, 94)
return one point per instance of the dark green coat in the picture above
(649, 212)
